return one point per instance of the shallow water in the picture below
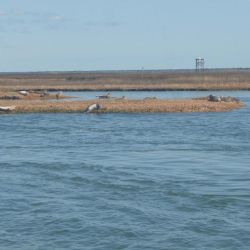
(87, 95)
(125, 181)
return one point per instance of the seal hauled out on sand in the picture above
(7, 109)
(107, 96)
(213, 98)
(24, 92)
(93, 107)
(59, 95)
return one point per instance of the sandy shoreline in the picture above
(45, 102)
(121, 106)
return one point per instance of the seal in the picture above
(7, 109)
(93, 107)
(213, 98)
(107, 96)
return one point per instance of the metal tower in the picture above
(200, 64)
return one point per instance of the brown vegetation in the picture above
(129, 80)
(32, 95)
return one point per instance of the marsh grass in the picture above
(135, 80)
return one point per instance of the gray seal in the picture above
(93, 107)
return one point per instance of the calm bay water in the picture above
(87, 95)
(126, 181)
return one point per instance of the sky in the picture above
(59, 35)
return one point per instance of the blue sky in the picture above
(40, 35)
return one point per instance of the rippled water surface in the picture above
(126, 181)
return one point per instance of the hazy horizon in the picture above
(126, 70)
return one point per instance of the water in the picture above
(125, 181)
(87, 95)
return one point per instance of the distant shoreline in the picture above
(138, 80)
(121, 71)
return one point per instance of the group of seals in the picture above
(213, 98)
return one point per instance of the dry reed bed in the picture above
(30, 96)
(137, 80)
(121, 106)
